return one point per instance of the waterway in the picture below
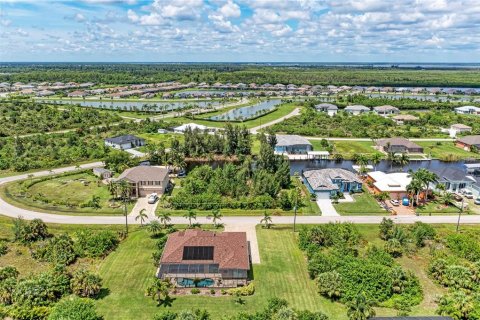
(139, 105)
(248, 112)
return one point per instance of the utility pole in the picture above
(460, 214)
(295, 210)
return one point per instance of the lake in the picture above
(248, 112)
(138, 105)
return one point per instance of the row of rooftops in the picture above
(330, 106)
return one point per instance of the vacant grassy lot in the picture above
(63, 195)
(446, 151)
(281, 111)
(364, 204)
(166, 139)
(348, 148)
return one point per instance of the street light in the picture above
(460, 214)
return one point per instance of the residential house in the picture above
(453, 179)
(102, 173)
(125, 142)
(329, 108)
(356, 109)
(326, 183)
(192, 126)
(468, 142)
(403, 118)
(292, 144)
(398, 145)
(468, 110)
(197, 258)
(77, 94)
(386, 110)
(459, 128)
(145, 180)
(395, 184)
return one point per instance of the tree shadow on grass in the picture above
(166, 302)
(104, 292)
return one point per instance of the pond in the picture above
(139, 105)
(248, 112)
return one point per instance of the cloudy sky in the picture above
(241, 30)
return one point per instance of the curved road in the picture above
(12, 211)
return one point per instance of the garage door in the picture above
(323, 195)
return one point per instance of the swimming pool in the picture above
(186, 282)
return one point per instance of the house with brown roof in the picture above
(398, 145)
(197, 258)
(460, 127)
(402, 118)
(468, 142)
(145, 180)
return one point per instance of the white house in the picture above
(329, 108)
(356, 109)
(192, 126)
(468, 110)
(125, 142)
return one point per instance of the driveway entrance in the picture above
(326, 207)
(142, 203)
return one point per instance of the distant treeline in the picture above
(311, 75)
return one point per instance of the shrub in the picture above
(165, 315)
(195, 291)
(85, 284)
(330, 284)
(27, 232)
(464, 245)
(8, 272)
(421, 232)
(28, 313)
(57, 250)
(386, 228)
(74, 309)
(3, 248)
(212, 291)
(380, 256)
(247, 290)
(95, 244)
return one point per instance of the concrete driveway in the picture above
(142, 203)
(326, 207)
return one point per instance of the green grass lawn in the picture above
(281, 111)
(436, 207)
(446, 151)
(348, 148)
(166, 138)
(364, 204)
(75, 189)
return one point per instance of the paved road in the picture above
(12, 211)
(294, 113)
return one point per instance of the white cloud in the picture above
(79, 17)
(230, 10)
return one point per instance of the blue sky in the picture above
(240, 30)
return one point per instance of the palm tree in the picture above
(165, 218)
(154, 227)
(360, 308)
(428, 177)
(402, 159)
(447, 198)
(113, 188)
(376, 158)
(267, 219)
(159, 290)
(124, 189)
(142, 215)
(216, 215)
(414, 188)
(190, 215)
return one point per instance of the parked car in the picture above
(477, 201)
(467, 193)
(152, 198)
(181, 173)
(395, 203)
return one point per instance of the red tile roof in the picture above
(230, 248)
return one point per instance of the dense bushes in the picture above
(95, 244)
(232, 186)
(343, 270)
(23, 117)
(57, 250)
(463, 246)
(28, 232)
(74, 309)
(247, 290)
(276, 309)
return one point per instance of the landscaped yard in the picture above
(364, 204)
(436, 207)
(64, 194)
(446, 151)
(282, 273)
